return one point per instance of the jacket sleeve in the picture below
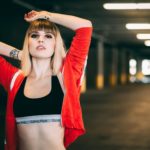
(78, 51)
(6, 73)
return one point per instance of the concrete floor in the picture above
(116, 119)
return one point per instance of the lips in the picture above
(40, 47)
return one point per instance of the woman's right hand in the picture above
(34, 15)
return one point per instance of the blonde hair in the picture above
(59, 52)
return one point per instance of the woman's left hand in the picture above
(34, 15)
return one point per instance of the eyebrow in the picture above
(49, 32)
(32, 32)
(38, 32)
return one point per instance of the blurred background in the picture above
(116, 91)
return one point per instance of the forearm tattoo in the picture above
(14, 53)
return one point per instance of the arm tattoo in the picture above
(14, 53)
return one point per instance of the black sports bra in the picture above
(47, 105)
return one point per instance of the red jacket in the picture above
(72, 70)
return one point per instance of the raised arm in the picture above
(10, 51)
(69, 21)
(78, 52)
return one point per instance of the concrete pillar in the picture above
(124, 74)
(83, 87)
(100, 65)
(114, 68)
(139, 74)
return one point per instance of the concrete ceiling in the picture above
(107, 24)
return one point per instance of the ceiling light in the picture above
(135, 26)
(147, 43)
(143, 36)
(117, 6)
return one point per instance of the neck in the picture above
(41, 68)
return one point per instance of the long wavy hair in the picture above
(59, 51)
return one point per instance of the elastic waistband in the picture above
(38, 119)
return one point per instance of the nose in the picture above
(41, 39)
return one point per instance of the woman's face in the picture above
(41, 44)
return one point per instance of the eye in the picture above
(34, 35)
(49, 36)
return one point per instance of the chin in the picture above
(40, 57)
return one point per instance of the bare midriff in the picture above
(41, 136)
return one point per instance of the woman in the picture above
(43, 109)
